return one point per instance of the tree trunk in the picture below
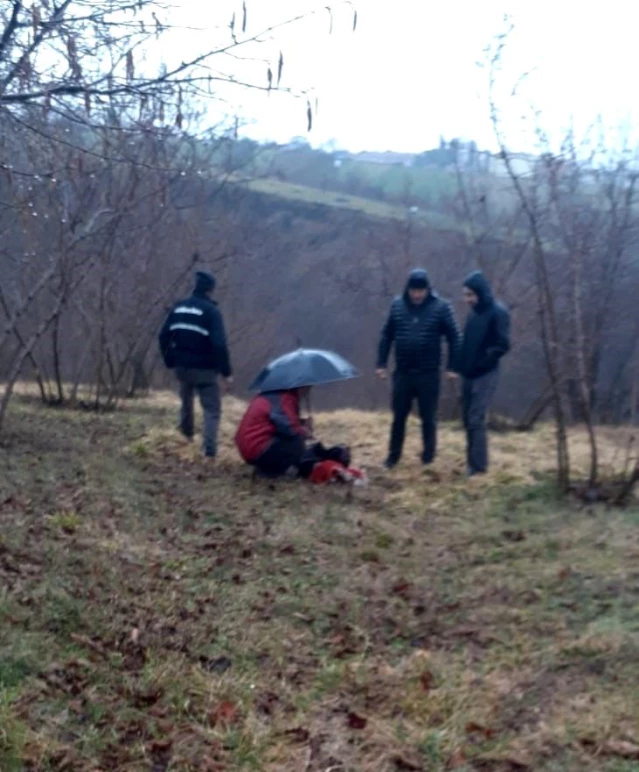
(585, 391)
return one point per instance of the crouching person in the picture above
(272, 435)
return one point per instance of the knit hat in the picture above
(204, 282)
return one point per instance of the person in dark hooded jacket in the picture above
(486, 340)
(417, 322)
(193, 343)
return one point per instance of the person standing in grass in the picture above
(486, 340)
(417, 322)
(193, 343)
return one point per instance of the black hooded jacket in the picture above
(487, 331)
(417, 331)
(193, 335)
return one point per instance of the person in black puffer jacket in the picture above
(486, 340)
(193, 343)
(416, 324)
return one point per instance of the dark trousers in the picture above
(478, 393)
(280, 456)
(408, 387)
(204, 382)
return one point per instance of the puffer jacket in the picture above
(416, 331)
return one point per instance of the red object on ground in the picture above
(332, 471)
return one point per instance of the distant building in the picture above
(387, 158)
(521, 164)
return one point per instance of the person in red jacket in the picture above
(272, 436)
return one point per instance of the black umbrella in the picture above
(304, 367)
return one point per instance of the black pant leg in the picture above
(427, 386)
(283, 453)
(402, 401)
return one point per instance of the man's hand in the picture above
(228, 384)
(382, 373)
(451, 376)
(308, 424)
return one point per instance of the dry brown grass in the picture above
(161, 613)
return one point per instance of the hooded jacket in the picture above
(193, 335)
(487, 331)
(417, 330)
(270, 415)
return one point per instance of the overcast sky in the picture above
(409, 73)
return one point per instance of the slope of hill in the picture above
(271, 186)
(160, 613)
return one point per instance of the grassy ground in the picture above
(158, 613)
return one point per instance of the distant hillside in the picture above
(427, 180)
(378, 209)
(380, 184)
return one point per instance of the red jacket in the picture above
(276, 414)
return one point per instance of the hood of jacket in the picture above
(479, 284)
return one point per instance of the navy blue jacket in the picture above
(193, 336)
(487, 331)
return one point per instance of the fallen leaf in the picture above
(161, 746)
(474, 728)
(464, 632)
(224, 714)
(457, 760)
(403, 588)
(427, 680)
(298, 734)
(145, 698)
(356, 721)
(517, 762)
(410, 765)
(266, 703)
(135, 635)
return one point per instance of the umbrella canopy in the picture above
(304, 367)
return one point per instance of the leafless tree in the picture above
(102, 178)
(579, 208)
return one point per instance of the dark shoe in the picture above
(210, 454)
(390, 463)
(426, 461)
